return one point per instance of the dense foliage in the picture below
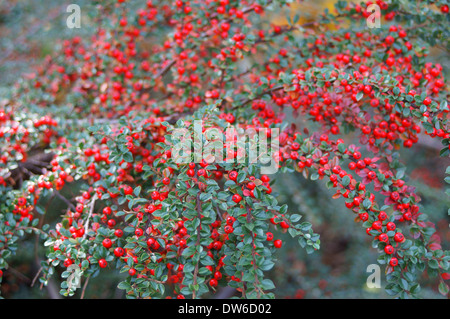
(108, 114)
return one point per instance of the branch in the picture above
(69, 204)
(199, 209)
(165, 70)
(84, 287)
(91, 210)
(36, 277)
(256, 283)
(274, 89)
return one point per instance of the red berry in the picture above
(364, 216)
(68, 262)
(236, 198)
(398, 237)
(213, 282)
(233, 175)
(383, 237)
(218, 275)
(390, 226)
(377, 225)
(284, 225)
(382, 215)
(393, 262)
(22, 201)
(278, 243)
(119, 252)
(389, 249)
(107, 243)
(228, 229)
(139, 232)
(427, 101)
(102, 263)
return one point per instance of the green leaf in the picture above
(124, 285)
(345, 181)
(295, 218)
(443, 288)
(128, 157)
(267, 284)
(433, 264)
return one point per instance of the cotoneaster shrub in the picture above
(183, 229)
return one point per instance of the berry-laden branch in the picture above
(158, 189)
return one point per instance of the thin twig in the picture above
(91, 211)
(65, 200)
(165, 70)
(84, 287)
(36, 277)
(199, 212)
(19, 274)
(274, 89)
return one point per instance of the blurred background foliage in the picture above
(32, 29)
